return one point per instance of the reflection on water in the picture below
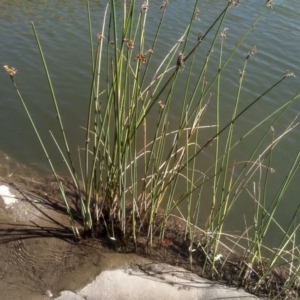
(63, 30)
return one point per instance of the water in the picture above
(63, 31)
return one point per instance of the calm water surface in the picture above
(62, 28)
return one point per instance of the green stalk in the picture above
(90, 32)
(58, 113)
(55, 103)
(74, 228)
(215, 182)
(282, 109)
(225, 165)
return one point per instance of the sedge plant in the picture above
(131, 179)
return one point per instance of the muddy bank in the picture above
(37, 249)
(39, 256)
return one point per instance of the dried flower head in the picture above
(142, 57)
(200, 36)
(223, 34)
(289, 74)
(270, 4)
(241, 73)
(11, 71)
(100, 37)
(164, 4)
(180, 60)
(144, 6)
(196, 14)
(252, 52)
(161, 105)
(233, 3)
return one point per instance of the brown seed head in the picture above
(252, 52)
(180, 60)
(142, 57)
(200, 36)
(130, 44)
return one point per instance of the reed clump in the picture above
(136, 176)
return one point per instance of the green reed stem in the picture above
(74, 228)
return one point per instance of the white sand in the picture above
(6, 195)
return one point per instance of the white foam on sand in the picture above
(6, 195)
